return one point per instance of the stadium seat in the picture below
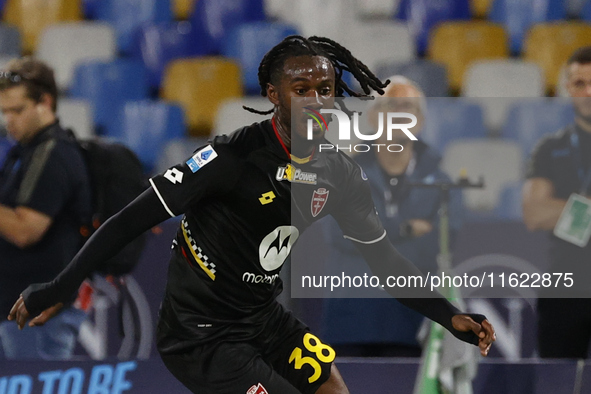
(499, 162)
(126, 16)
(76, 114)
(561, 89)
(231, 116)
(458, 44)
(495, 84)
(585, 11)
(63, 46)
(372, 9)
(518, 16)
(390, 42)
(529, 120)
(248, 43)
(551, 44)
(310, 17)
(10, 41)
(510, 206)
(213, 19)
(90, 7)
(424, 15)
(200, 85)
(429, 76)
(280, 10)
(31, 17)
(480, 8)
(108, 85)
(574, 8)
(146, 126)
(451, 119)
(182, 9)
(157, 44)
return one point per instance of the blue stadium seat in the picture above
(146, 127)
(586, 11)
(518, 16)
(528, 121)
(448, 120)
(10, 41)
(107, 85)
(126, 16)
(213, 19)
(431, 77)
(423, 15)
(157, 44)
(90, 8)
(248, 43)
(509, 206)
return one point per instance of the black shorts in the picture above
(284, 358)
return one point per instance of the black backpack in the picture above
(116, 179)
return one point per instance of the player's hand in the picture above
(484, 331)
(19, 313)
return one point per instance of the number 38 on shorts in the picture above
(314, 353)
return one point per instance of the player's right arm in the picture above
(170, 195)
(44, 300)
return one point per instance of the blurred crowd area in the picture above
(163, 76)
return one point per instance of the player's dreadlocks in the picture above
(341, 58)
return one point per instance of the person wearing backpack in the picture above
(45, 197)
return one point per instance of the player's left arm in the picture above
(385, 261)
(359, 221)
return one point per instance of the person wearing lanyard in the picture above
(359, 327)
(559, 173)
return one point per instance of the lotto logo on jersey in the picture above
(257, 389)
(201, 158)
(295, 175)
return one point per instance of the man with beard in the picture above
(560, 168)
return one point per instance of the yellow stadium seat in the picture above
(200, 85)
(182, 9)
(551, 44)
(32, 16)
(457, 44)
(480, 8)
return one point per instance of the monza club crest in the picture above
(319, 199)
(257, 389)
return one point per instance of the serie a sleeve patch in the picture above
(201, 158)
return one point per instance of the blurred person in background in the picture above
(560, 167)
(44, 199)
(361, 327)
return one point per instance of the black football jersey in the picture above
(245, 202)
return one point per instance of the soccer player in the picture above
(221, 329)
